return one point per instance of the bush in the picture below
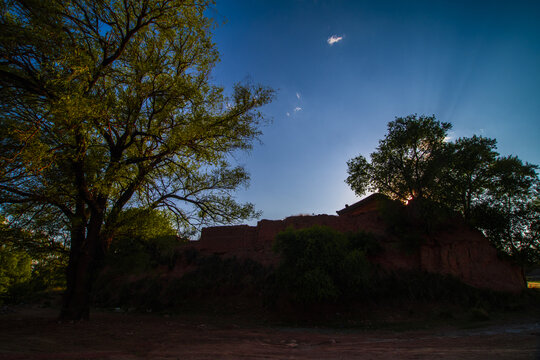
(214, 281)
(423, 287)
(215, 277)
(15, 270)
(321, 265)
(138, 255)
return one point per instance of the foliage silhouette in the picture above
(416, 163)
(407, 161)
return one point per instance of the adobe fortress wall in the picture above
(462, 252)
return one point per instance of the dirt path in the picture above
(33, 334)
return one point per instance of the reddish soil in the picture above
(33, 333)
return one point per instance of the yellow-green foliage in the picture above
(144, 238)
(15, 268)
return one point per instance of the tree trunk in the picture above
(85, 255)
(76, 301)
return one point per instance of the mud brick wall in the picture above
(468, 255)
(462, 252)
(223, 239)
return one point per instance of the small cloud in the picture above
(298, 96)
(298, 108)
(288, 113)
(334, 39)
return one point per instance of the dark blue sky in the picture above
(475, 64)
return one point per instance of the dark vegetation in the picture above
(324, 277)
(323, 272)
(321, 265)
(32, 267)
(212, 282)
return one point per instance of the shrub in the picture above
(15, 270)
(215, 277)
(137, 255)
(321, 265)
(214, 281)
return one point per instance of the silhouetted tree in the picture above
(508, 211)
(467, 173)
(107, 105)
(407, 162)
(499, 195)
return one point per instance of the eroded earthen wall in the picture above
(468, 255)
(463, 253)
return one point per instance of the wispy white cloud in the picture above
(298, 96)
(298, 108)
(288, 113)
(334, 39)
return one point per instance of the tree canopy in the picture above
(108, 105)
(468, 172)
(497, 194)
(406, 162)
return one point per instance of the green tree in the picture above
(407, 161)
(499, 195)
(467, 174)
(108, 104)
(509, 210)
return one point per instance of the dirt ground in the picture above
(33, 333)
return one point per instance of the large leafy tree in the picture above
(407, 162)
(499, 195)
(108, 104)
